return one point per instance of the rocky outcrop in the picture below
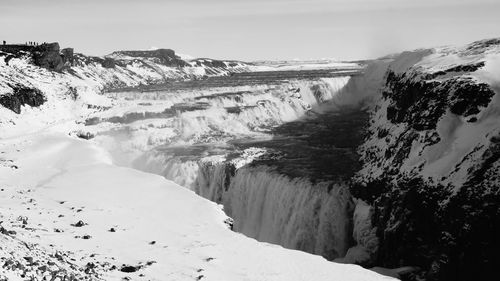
(163, 56)
(22, 96)
(410, 97)
(68, 56)
(48, 56)
(108, 63)
(431, 162)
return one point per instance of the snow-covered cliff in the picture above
(432, 162)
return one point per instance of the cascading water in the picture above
(266, 203)
(273, 208)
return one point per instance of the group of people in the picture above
(32, 43)
(29, 43)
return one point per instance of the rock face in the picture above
(432, 162)
(22, 96)
(461, 95)
(108, 63)
(48, 56)
(68, 55)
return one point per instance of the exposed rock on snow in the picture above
(23, 84)
(22, 96)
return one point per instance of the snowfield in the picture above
(161, 230)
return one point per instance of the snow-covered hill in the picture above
(75, 89)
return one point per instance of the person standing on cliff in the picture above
(5, 43)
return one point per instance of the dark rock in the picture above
(67, 55)
(7, 232)
(469, 96)
(48, 56)
(22, 96)
(108, 63)
(78, 224)
(29, 259)
(85, 136)
(129, 268)
(421, 103)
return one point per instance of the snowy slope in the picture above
(76, 91)
(163, 230)
(68, 211)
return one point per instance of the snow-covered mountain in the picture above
(393, 165)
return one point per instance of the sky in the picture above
(251, 29)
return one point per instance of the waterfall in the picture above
(264, 204)
(273, 208)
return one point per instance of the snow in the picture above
(461, 143)
(191, 239)
(50, 180)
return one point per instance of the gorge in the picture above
(389, 164)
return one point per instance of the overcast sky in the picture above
(251, 29)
